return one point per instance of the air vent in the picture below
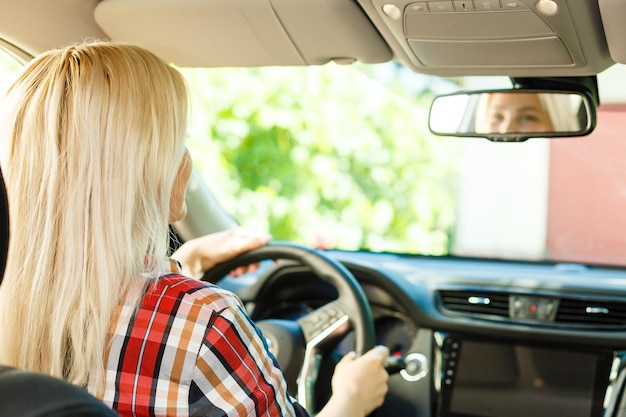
(591, 312)
(476, 302)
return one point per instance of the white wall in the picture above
(502, 196)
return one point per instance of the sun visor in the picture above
(223, 33)
(613, 14)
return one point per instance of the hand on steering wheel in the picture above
(296, 344)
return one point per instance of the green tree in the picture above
(326, 156)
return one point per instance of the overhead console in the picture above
(493, 37)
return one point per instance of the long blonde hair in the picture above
(91, 140)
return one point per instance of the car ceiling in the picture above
(450, 38)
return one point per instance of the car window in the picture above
(326, 155)
(341, 157)
(9, 68)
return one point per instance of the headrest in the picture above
(4, 226)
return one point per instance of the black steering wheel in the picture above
(298, 345)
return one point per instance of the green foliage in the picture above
(9, 67)
(325, 156)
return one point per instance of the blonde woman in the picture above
(92, 150)
(521, 112)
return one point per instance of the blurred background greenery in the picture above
(329, 156)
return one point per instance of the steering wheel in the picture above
(299, 345)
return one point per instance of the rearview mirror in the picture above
(512, 115)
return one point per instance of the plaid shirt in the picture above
(191, 350)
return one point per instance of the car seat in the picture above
(31, 394)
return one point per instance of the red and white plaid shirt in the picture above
(191, 350)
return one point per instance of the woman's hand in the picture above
(359, 384)
(201, 254)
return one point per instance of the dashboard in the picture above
(480, 338)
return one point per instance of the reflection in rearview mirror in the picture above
(511, 115)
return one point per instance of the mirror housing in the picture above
(536, 108)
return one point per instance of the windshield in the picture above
(341, 157)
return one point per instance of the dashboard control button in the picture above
(416, 367)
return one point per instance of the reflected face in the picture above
(510, 113)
